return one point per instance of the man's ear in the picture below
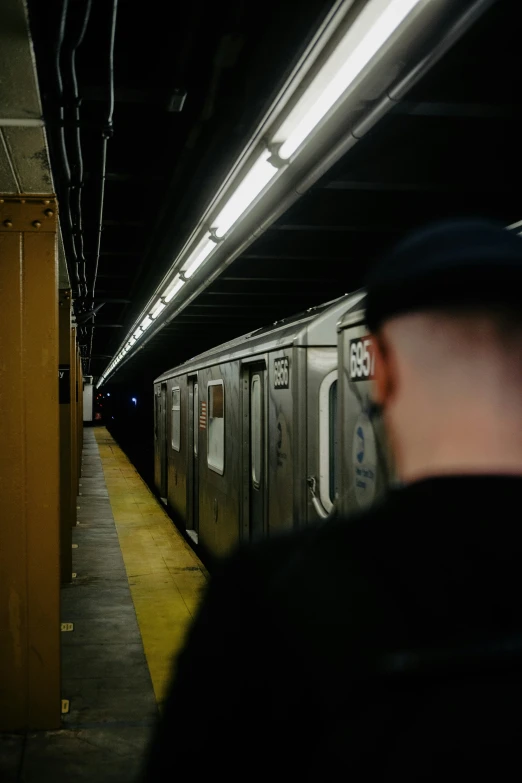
(382, 373)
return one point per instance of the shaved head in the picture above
(450, 384)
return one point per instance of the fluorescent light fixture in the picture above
(346, 48)
(369, 32)
(198, 257)
(157, 309)
(261, 173)
(172, 289)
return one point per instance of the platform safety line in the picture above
(165, 576)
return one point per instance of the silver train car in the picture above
(258, 435)
(365, 462)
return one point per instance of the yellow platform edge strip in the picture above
(166, 578)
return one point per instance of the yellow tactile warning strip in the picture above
(165, 577)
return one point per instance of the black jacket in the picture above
(389, 642)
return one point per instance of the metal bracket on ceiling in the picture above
(274, 158)
(213, 236)
(84, 317)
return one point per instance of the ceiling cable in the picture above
(106, 134)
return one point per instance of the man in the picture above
(389, 642)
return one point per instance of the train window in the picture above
(176, 418)
(328, 440)
(195, 415)
(216, 427)
(256, 431)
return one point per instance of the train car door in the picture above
(161, 439)
(193, 461)
(254, 452)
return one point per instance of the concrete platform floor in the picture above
(136, 589)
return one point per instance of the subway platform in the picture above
(135, 589)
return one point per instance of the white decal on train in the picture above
(364, 460)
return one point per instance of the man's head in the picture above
(446, 312)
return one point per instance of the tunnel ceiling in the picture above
(452, 148)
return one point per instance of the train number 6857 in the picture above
(362, 359)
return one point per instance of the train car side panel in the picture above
(157, 468)
(321, 383)
(177, 445)
(300, 398)
(254, 448)
(194, 454)
(365, 461)
(282, 379)
(219, 465)
(160, 443)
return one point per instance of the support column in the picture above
(29, 466)
(74, 424)
(79, 376)
(67, 499)
(80, 413)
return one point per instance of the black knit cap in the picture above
(455, 263)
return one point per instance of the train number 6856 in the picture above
(281, 373)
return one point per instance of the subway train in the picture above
(272, 430)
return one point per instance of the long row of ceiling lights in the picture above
(366, 36)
